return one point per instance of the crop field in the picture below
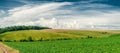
(91, 45)
(52, 34)
(63, 41)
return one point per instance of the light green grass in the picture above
(93, 45)
(54, 34)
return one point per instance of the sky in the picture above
(61, 14)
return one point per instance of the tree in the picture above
(16, 28)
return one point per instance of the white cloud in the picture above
(2, 13)
(54, 15)
(30, 13)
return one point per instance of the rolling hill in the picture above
(52, 34)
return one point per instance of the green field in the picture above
(91, 45)
(64, 41)
(51, 34)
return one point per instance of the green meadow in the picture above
(91, 45)
(51, 34)
(63, 41)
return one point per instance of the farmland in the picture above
(91, 45)
(51, 34)
(63, 41)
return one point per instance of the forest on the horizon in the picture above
(16, 28)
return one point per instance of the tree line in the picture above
(16, 28)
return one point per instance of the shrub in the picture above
(90, 37)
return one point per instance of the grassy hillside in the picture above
(92, 45)
(52, 34)
(83, 41)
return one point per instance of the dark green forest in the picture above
(17, 28)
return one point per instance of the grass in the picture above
(55, 34)
(93, 45)
(82, 41)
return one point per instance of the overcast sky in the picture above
(66, 14)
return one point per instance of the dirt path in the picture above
(6, 49)
(1, 51)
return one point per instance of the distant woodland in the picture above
(17, 28)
